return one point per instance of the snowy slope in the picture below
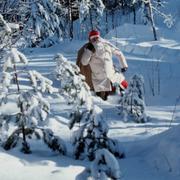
(41, 165)
(152, 149)
(160, 152)
(134, 137)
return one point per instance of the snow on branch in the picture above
(38, 79)
(34, 107)
(54, 142)
(105, 165)
(45, 23)
(13, 57)
(4, 26)
(5, 33)
(83, 10)
(73, 84)
(132, 104)
(92, 135)
(93, 9)
(168, 18)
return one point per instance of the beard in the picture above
(99, 47)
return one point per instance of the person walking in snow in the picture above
(96, 64)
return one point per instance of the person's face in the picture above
(95, 39)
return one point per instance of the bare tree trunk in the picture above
(106, 21)
(21, 108)
(70, 20)
(159, 78)
(134, 14)
(151, 19)
(113, 26)
(91, 19)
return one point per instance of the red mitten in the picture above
(124, 84)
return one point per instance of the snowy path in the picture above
(159, 107)
(134, 166)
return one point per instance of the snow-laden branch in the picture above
(105, 165)
(168, 18)
(38, 79)
(73, 85)
(13, 57)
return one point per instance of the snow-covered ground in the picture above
(151, 149)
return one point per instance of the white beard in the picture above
(99, 47)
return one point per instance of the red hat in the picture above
(93, 34)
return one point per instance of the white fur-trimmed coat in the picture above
(101, 63)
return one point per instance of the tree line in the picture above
(46, 22)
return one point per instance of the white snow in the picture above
(151, 149)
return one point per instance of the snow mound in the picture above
(138, 40)
(160, 151)
(165, 154)
(132, 33)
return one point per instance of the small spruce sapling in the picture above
(132, 104)
(5, 33)
(104, 166)
(33, 108)
(74, 88)
(91, 134)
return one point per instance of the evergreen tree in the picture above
(132, 105)
(104, 166)
(74, 88)
(5, 33)
(10, 9)
(31, 119)
(45, 23)
(92, 136)
(91, 12)
(92, 132)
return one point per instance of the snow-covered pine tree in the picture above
(4, 121)
(45, 25)
(74, 88)
(5, 32)
(150, 8)
(8, 35)
(33, 108)
(91, 134)
(132, 104)
(105, 166)
(91, 12)
(11, 9)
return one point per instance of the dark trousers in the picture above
(103, 94)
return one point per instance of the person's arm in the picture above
(88, 51)
(122, 59)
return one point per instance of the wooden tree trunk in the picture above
(91, 19)
(134, 15)
(70, 20)
(106, 21)
(21, 108)
(149, 5)
(113, 26)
